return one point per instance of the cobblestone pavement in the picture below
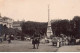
(25, 46)
(70, 48)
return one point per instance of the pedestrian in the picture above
(35, 42)
(9, 39)
(58, 44)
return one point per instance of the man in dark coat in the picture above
(36, 41)
(9, 39)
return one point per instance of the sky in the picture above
(37, 10)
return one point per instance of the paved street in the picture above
(71, 48)
(25, 46)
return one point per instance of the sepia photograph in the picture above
(39, 25)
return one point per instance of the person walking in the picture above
(33, 42)
(36, 41)
(9, 39)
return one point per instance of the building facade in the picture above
(17, 25)
(6, 21)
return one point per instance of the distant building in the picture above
(17, 25)
(6, 21)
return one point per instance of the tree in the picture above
(61, 27)
(1, 30)
(30, 28)
(76, 26)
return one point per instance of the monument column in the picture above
(49, 29)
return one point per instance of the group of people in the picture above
(9, 38)
(36, 41)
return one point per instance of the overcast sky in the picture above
(37, 10)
